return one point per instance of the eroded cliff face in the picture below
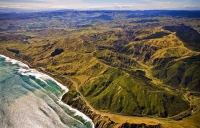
(143, 125)
(99, 121)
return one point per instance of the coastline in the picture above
(58, 82)
(99, 121)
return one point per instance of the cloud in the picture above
(132, 6)
(43, 4)
(60, 1)
(81, 4)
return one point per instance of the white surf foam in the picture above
(13, 61)
(25, 70)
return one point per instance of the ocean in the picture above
(31, 99)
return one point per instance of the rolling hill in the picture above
(122, 63)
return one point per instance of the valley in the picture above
(122, 68)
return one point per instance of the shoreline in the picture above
(98, 120)
(58, 82)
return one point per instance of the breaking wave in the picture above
(31, 98)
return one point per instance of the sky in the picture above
(101, 4)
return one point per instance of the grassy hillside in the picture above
(183, 73)
(118, 63)
(188, 35)
(130, 94)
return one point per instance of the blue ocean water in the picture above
(31, 99)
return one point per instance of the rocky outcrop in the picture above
(143, 125)
(98, 120)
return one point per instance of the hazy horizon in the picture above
(100, 5)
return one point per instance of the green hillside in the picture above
(118, 63)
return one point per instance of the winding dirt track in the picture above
(191, 111)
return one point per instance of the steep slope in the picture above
(130, 94)
(110, 77)
(183, 73)
(169, 58)
(125, 67)
(188, 35)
